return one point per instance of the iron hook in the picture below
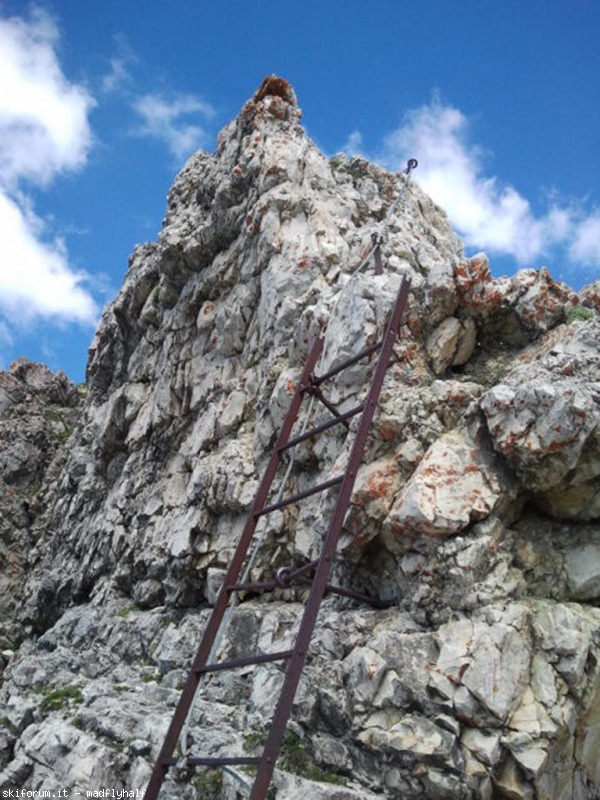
(282, 576)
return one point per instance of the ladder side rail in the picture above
(246, 661)
(319, 586)
(324, 426)
(319, 487)
(317, 380)
(200, 661)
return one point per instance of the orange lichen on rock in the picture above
(380, 484)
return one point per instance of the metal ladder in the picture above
(309, 384)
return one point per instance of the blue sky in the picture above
(101, 103)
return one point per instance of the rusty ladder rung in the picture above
(256, 586)
(323, 427)
(291, 576)
(215, 761)
(352, 595)
(246, 661)
(269, 586)
(317, 380)
(320, 487)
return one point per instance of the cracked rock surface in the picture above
(474, 516)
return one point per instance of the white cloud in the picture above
(43, 117)
(44, 131)
(6, 337)
(36, 277)
(167, 119)
(354, 144)
(489, 213)
(585, 247)
(119, 75)
(6, 343)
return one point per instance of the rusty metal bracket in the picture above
(289, 576)
(316, 391)
(376, 239)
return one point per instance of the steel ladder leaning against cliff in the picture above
(316, 573)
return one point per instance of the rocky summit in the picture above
(474, 516)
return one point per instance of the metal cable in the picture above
(411, 164)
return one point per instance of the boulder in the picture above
(453, 486)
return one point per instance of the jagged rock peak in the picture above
(268, 205)
(275, 99)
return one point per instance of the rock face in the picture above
(475, 511)
(38, 413)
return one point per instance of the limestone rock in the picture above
(292, 787)
(544, 420)
(515, 309)
(452, 487)
(451, 343)
(589, 297)
(541, 429)
(38, 412)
